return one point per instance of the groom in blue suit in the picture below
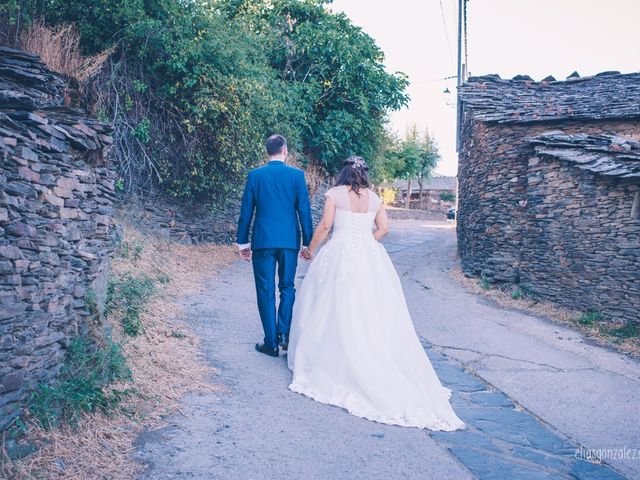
(276, 194)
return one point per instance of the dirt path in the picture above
(532, 392)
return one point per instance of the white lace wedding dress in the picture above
(352, 342)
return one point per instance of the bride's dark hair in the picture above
(354, 173)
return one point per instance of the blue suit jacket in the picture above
(278, 195)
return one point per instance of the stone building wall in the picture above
(562, 232)
(581, 247)
(56, 232)
(492, 185)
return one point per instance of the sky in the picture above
(507, 37)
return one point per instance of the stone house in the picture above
(549, 188)
(438, 191)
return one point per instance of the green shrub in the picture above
(91, 301)
(589, 318)
(629, 330)
(82, 384)
(130, 250)
(194, 88)
(447, 196)
(163, 278)
(127, 296)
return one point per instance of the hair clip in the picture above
(359, 162)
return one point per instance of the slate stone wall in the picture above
(56, 229)
(192, 223)
(180, 221)
(564, 233)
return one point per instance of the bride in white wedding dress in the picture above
(352, 341)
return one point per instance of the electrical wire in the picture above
(435, 79)
(446, 34)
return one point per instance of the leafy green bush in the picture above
(336, 69)
(447, 196)
(130, 250)
(195, 87)
(589, 318)
(630, 329)
(484, 282)
(82, 384)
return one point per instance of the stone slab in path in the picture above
(503, 441)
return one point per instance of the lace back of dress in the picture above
(340, 195)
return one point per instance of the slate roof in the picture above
(605, 154)
(607, 95)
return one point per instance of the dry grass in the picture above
(59, 49)
(314, 173)
(316, 177)
(165, 361)
(600, 332)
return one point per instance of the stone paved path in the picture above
(531, 392)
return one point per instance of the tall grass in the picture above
(128, 295)
(82, 384)
(59, 49)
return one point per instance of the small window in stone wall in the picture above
(635, 208)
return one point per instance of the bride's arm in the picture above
(382, 223)
(324, 226)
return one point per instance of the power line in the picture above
(446, 34)
(435, 79)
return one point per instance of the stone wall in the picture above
(56, 233)
(182, 222)
(192, 222)
(581, 247)
(562, 232)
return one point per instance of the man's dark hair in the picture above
(275, 144)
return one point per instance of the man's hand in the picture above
(245, 254)
(306, 254)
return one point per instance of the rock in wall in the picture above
(56, 230)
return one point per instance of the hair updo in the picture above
(354, 173)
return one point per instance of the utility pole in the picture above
(459, 81)
(461, 68)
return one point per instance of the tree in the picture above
(417, 156)
(336, 67)
(429, 157)
(195, 86)
(387, 163)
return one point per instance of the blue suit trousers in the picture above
(265, 263)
